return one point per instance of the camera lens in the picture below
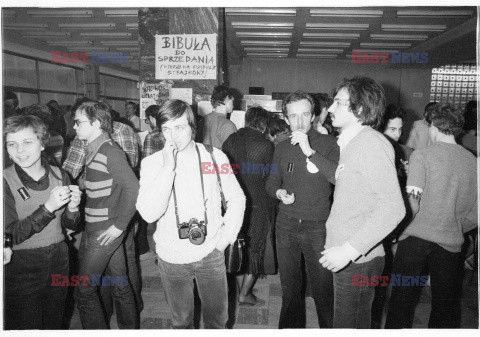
(196, 235)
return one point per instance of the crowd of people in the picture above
(328, 186)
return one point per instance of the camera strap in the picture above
(203, 191)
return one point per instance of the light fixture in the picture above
(60, 13)
(119, 43)
(86, 26)
(363, 50)
(323, 50)
(264, 34)
(384, 45)
(280, 25)
(127, 48)
(347, 13)
(414, 28)
(105, 35)
(261, 49)
(112, 13)
(45, 34)
(413, 37)
(324, 44)
(86, 49)
(265, 43)
(338, 26)
(132, 25)
(433, 13)
(69, 42)
(318, 56)
(266, 55)
(26, 26)
(331, 35)
(261, 11)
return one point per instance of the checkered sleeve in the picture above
(124, 136)
(76, 158)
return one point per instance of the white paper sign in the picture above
(184, 94)
(187, 56)
(238, 118)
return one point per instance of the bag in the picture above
(234, 252)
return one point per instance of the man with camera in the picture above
(191, 233)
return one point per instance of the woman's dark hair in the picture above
(391, 112)
(98, 111)
(446, 118)
(173, 109)
(277, 125)
(367, 99)
(429, 107)
(257, 118)
(321, 101)
(470, 116)
(17, 123)
(152, 111)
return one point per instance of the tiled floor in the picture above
(265, 314)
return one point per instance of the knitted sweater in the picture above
(111, 186)
(312, 190)
(447, 173)
(367, 202)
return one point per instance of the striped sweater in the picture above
(111, 186)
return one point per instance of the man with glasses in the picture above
(367, 202)
(306, 167)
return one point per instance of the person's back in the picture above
(216, 129)
(450, 174)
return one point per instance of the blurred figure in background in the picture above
(468, 138)
(322, 122)
(418, 137)
(131, 110)
(277, 130)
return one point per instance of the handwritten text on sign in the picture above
(188, 56)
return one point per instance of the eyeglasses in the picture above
(78, 122)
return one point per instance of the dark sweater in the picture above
(111, 186)
(312, 190)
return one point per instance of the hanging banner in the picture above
(186, 57)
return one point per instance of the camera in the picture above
(194, 230)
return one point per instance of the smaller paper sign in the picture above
(184, 94)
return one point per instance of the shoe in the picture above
(148, 255)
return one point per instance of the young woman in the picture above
(38, 202)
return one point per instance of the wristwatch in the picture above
(310, 156)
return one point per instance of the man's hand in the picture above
(338, 257)
(286, 198)
(7, 255)
(169, 155)
(300, 138)
(75, 197)
(109, 235)
(59, 196)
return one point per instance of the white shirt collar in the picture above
(348, 134)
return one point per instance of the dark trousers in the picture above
(132, 272)
(211, 278)
(108, 260)
(413, 255)
(294, 238)
(31, 302)
(353, 304)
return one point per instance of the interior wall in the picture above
(315, 76)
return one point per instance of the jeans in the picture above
(109, 259)
(294, 237)
(413, 255)
(132, 272)
(31, 302)
(210, 275)
(353, 304)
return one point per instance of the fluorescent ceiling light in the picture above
(128, 48)
(46, 34)
(338, 26)
(263, 34)
(106, 35)
(267, 55)
(267, 49)
(414, 28)
(376, 50)
(26, 26)
(69, 42)
(120, 43)
(60, 13)
(132, 25)
(280, 25)
(80, 48)
(265, 43)
(324, 44)
(433, 13)
(261, 11)
(385, 45)
(332, 35)
(318, 56)
(414, 37)
(324, 50)
(86, 25)
(121, 12)
(347, 13)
